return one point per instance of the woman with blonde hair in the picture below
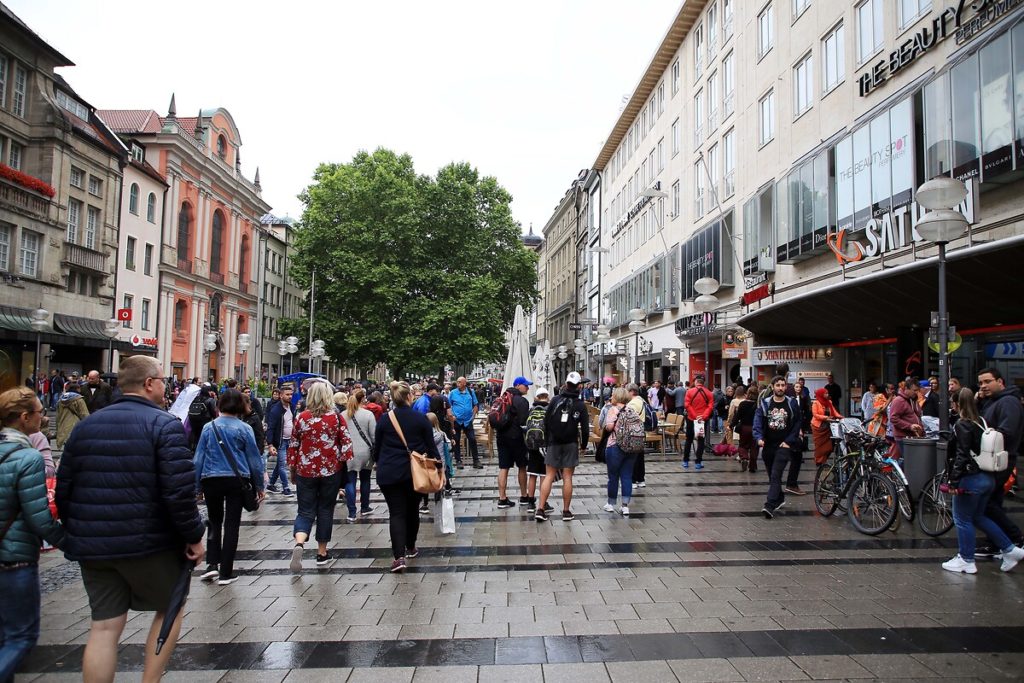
(399, 432)
(319, 447)
(26, 520)
(362, 425)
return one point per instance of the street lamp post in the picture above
(705, 303)
(602, 339)
(210, 344)
(40, 321)
(316, 350)
(942, 224)
(636, 326)
(293, 348)
(110, 328)
(562, 355)
(282, 349)
(243, 345)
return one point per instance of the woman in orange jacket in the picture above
(822, 410)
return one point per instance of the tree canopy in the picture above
(412, 271)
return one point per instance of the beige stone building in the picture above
(60, 188)
(777, 147)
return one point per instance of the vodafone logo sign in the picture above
(138, 341)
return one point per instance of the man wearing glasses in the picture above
(132, 462)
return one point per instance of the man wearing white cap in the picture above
(566, 431)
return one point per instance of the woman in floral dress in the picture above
(319, 447)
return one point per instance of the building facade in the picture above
(138, 274)
(208, 257)
(60, 188)
(776, 147)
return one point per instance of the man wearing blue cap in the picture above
(511, 441)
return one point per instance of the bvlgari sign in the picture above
(964, 22)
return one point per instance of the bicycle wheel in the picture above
(872, 504)
(935, 508)
(902, 496)
(826, 489)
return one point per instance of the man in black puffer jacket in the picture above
(126, 493)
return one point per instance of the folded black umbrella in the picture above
(178, 595)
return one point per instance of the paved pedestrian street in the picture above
(694, 586)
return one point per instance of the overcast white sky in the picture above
(525, 91)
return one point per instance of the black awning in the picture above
(75, 326)
(17, 319)
(984, 287)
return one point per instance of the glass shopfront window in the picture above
(965, 119)
(758, 230)
(935, 106)
(996, 114)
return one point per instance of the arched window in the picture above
(151, 208)
(217, 243)
(184, 231)
(222, 146)
(243, 261)
(215, 302)
(180, 309)
(133, 198)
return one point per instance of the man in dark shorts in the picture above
(535, 469)
(566, 431)
(512, 444)
(131, 460)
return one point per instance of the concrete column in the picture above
(171, 208)
(165, 333)
(195, 341)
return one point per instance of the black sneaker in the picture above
(567, 516)
(548, 507)
(987, 550)
(321, 560)
(531, 508)
(768, 514)
(540, 515)
(366, 511)
(477, 466)
(211, 573)
(424, 510)
(524, 500)
(505, 503)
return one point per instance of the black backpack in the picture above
(562, 425)
(198, 411)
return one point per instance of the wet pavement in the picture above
(694, 586)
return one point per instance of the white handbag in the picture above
(444, 515)
(698, 429)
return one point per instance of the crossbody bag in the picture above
(250, 500)
(426, 477)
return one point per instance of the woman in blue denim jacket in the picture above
(219, 484)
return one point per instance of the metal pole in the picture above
(312, 313)
(636, 359)
(110, 356)
(35, 370)
(708, 377)
(943, 343)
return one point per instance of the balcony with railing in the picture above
(89, 259)
(185, 265)
(24, 200)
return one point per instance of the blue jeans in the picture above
(364, 490)
(969, 512)
(19, 617)
(317, 497)
(715, 423)
(281, 468)
(620, 468)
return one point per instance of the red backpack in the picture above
(500, 413)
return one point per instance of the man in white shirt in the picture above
(867, 401)
(652, 396)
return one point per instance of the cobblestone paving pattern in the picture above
(694, 586)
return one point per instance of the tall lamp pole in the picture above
(602, 339)
(110, 328)
(210, 344)
(293, 348)
(243, 345)
(636, 326)
(942, 224)
(706, 302)
(40, 322)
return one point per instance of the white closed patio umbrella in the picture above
(518, 362)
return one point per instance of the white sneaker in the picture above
(296, 564)
(960, 565)
(625, 511)
(1010, 559)
(608, 507)
(641, 485)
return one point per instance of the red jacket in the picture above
(904, 414)
(699, 403)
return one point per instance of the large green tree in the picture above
(413, 271)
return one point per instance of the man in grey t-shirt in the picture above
(679, 397)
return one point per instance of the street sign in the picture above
(575, 326)
(124, 314)
(588, 321)
(671, 357)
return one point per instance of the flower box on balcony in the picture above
(26, 181)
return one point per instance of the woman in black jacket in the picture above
(743, 424)
(972, 488)
(394, 473)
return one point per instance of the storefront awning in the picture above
(80, 327)
(17, 319)
(983, 289)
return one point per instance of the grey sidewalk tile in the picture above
(630, 672)
(494, 630)
(894, 666)
(427, 632)
(768, 669)
(575, 673)
(585, 627)
(316, 675)
(382, 674)
(709, 670)
(698, 625)
(830, 666)
(261, 634)
(445, 674)
(509, 673)
(954, 664)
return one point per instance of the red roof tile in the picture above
(131, 120)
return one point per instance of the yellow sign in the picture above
(951, 345)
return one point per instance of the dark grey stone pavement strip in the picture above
(551, 649)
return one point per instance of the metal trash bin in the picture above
(920, 462)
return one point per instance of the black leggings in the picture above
(403, 515)
(224, 506)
